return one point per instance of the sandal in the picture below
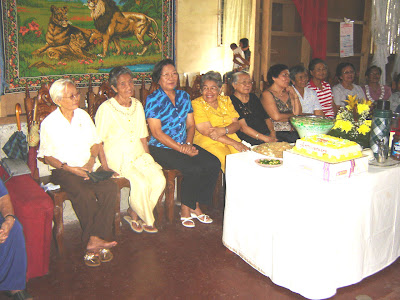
(105, 255)
(20, 295)
(203, 218)
(91, 259)
(191, 222)
(135, 225)
(149, 229)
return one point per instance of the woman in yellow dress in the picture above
(121, 125)
(216, 120)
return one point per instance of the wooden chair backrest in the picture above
(95, 100)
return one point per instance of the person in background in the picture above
(244, 45)
(13, 260)
(395, 97)
(281, 102)
(216, 120)
(255, 125)
(121, 125)
(346, 72)
(308, 97)
(70, 145)
(373, 89)
(319, 72)
(238, 58)
(169, 114)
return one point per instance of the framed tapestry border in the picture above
(19, 64)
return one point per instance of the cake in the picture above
(327, 148)
(274, 149)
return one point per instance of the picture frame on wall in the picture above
(45, 40)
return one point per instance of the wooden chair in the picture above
(44, 107)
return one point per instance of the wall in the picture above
(196, 28)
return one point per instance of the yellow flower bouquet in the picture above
(353, 122)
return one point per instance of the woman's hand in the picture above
(188, 150)
(240, 147)
(5, 229)
(216, 132)
(269, 139)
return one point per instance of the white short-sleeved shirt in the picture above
(310, 102)
(68, 142)
(340, 93)
(241, 53)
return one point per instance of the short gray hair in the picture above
(213, 76)
(235, 76)
(57, 89)
(116, 72)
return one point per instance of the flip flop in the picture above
(203, 218)
(149, 229)
(105, 255)
(184, 220)
(135, 225)
(91, 259)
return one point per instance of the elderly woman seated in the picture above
(169, 114)
(281, 102)
(346, 72)
(121, 125)
(216, 120)
(373, 90)
(255, 125)
(12, 250)
(70, 145)
(308, 97)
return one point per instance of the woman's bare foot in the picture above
(95, 243)
(196, 211)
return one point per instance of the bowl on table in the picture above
(312, 125)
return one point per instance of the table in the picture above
(308, 235)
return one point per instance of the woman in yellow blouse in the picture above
(216, 120)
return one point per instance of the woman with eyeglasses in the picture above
(345, 72)
(70, 145)
(281, 102)
(170, 118)
(255, 125)
(373, 89)
(216, 120)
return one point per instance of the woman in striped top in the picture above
(319, 72)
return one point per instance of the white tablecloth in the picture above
(308, 235)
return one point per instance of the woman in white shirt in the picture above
(69, 144)
(345, 72)
(308, 97)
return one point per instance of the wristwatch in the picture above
(9, 215)
(189, 143)
(226, 130)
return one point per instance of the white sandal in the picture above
(203, 218)
(190, 225)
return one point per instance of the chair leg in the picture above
(218, 191)
(160, 209)
(178, 188)
(58, 229)
(117, 216)
(169, 196)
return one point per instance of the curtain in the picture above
(2, 82)
(237, 25)
(385, 32)
(314, 20)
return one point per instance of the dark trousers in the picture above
(93, 202)
(200, 173)
(13, 259)
(287, 136)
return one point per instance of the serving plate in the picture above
(257, 161)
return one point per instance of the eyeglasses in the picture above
(284, 74)
(246, 83)
(212, 89)
(170, 75)
(73, 96)
(348, 72)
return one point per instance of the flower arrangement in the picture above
(353, 121)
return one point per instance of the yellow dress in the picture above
(121, 128)
(220, 117)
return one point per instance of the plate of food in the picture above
(274, 149)
(269, 162)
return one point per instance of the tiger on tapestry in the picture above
(60, 30)
(74, 50)
(114, 24)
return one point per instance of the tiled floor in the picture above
(179, 263)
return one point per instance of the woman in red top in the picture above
(318, 73)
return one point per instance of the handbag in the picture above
(98, 176)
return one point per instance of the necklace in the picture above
(368, 94)
(126, 111)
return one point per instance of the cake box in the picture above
(324, 170)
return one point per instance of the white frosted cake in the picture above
(327, 148)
